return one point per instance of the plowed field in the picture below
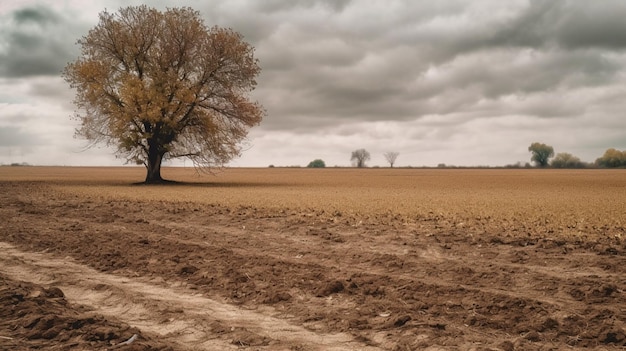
(312, 259)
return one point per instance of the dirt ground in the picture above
(80, 273)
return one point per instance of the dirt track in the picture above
(189, 276)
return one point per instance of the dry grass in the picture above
(569, 202)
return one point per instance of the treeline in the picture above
(543, 156)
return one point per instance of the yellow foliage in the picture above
(162, 83)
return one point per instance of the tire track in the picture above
(178, 316)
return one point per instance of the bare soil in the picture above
(80, 272)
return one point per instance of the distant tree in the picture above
(391, 157)
(162, 85)
(612, 158)
(565, 160)
(359, 157)
(541, 153)
(317, 164)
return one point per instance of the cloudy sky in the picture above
(460, 82)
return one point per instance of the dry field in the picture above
(313, 259)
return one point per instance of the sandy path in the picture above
(190, 320)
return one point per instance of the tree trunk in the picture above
(155, 157)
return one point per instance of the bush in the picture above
(565, 160)
(317, 164)
(612, 158)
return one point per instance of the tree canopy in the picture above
(612, 158)
(541, 153)
(391, 157)
(566, 160)
(359, 157)
(158, 85)
(317, 163)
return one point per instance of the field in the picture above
(312, 259)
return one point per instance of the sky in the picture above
(459, 82)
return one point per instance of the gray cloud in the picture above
(11, 136)
(439, 81)
(35, 15)
(574, 24)
(36, 41)
(403, 60)
(272, 6)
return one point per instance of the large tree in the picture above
(159, 85)
(359, 157)
(541, 153)
(391, 157)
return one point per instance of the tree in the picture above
(565, 160)
(317, 164)
(541, 153)
(391, 157)
(162, 85)
(612, 158)
(359, 157)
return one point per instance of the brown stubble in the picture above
(530, 202)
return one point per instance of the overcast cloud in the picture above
(456, 82)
